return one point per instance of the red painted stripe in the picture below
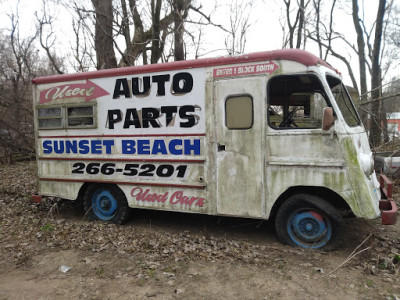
(297, 55)
(124, 159)
(122, 135)
(127, 183)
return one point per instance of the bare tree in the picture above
(376, 78)
(394, 35)
(295, 37)
(239, 24)
(322, 32)
(124, 32)
(82, 56)
(369, 50)
(151, 31)
(360, 49)
(47, 37)
(19, 63)
(104, 41)
(392, 95)
(181, 10)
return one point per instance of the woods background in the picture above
(115, 33)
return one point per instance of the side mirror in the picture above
(328, 118)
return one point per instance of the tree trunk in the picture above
(155, 36)
(290, 26)
(301, 24)
(361, 61)
(104, 44)
(139, 41)
(361, 51)
(128, 60)
(376, 107)
(179, 51)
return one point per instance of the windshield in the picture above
(344, 101)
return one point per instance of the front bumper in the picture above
(387, 206)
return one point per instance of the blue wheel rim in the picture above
(104, 204)
(309, 229)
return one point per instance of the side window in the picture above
(80, 116)
(295, 101)
(66, 117)
(239, 112)
(50, 118)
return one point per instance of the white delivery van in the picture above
(270, 134)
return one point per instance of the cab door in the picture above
(240, 146)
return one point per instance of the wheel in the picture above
(106, 203)
(309, 222)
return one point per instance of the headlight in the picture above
(367, 163)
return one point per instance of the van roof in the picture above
(297, 55)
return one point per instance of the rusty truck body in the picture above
(269, 134)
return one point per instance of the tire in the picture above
(106, 203)
(308, 221)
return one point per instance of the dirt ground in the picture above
(49, 251)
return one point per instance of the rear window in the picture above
(66, 117)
